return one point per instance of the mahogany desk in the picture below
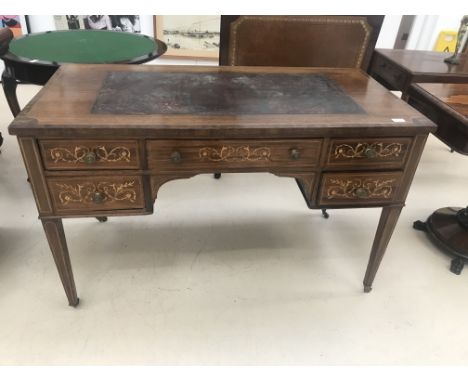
(397, 69)
(100, 140)
(446, 105)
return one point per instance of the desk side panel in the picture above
(33, 161)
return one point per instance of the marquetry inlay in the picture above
(235, 154)
(358, 150)
(103, 154)
(361, 188)
(84, 193)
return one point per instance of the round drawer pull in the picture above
(90, 158)
(295, 154)
(361, 193)
(98, 197)
(370, 153)
(176, 157)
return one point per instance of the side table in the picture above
(446, 105)
(397, 69)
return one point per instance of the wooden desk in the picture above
(101, 140)
(397, 69)
(446, 105)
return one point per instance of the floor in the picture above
(232, 271)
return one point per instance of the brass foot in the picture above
(75, 304)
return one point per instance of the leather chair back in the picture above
(320, 41)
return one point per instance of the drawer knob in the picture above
(370, 153)
(176, 157)
(361, 193)
(295, 154)
(90, 158)
(98, 197)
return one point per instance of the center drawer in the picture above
(216, 155)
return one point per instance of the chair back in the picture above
(320, 41)
(6, 36)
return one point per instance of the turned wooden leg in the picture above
(9, 88)
(58, 245)
(387, 223)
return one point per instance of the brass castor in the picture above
(217, 175)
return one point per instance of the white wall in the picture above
(388, 32)
(426, 29)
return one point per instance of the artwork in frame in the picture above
(124, 23)
(13, 22)
(189, 36)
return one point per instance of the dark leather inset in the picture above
(221, 93)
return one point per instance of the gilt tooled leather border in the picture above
(232, 58)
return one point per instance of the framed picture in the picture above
(124, 23)
(189, 36)
(15, 22)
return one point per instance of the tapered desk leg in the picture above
(387, 223)
(9, 88)
(58, 245)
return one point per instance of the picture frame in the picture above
(195, 37)
(121, 23)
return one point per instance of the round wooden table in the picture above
(34, 58)
(447, 105)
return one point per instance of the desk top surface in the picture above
(422, 61)
(454, 96)
(85, 46)
(167, 98)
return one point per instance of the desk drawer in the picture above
(359, 188)
(373, 152)
(230, 154)
(96, 193)
(389, 72)
(75, 155)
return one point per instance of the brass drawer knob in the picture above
(90, 158)
(176, 157)
(361, 193)
(370, 153)
(295, 154)
(98, 197)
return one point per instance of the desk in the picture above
(34, 58)
(447, 105)
(397, 69)
(100, 140)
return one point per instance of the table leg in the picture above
(387, 223)
(58, 245)
(9, 88)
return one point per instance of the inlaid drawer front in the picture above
(360, 188)
(68, 155)
(383, 152)
(212, 155)
(96, 193)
